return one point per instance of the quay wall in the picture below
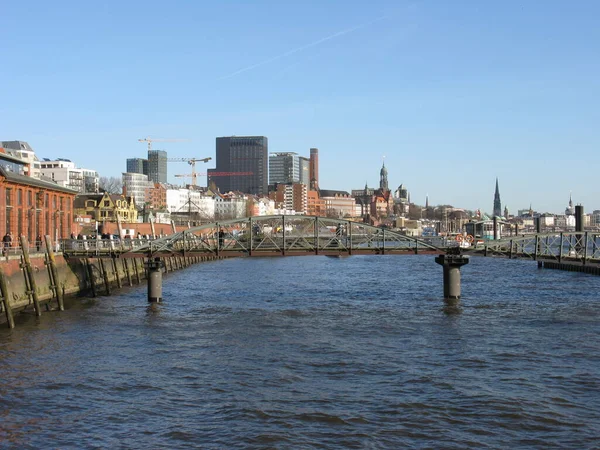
(76, 277)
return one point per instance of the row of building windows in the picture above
(11, 201)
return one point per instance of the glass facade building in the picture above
(157, 166)
(242, 164)
(284, 168)
(137, 165)
(304, 170)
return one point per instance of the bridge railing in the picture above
(101, 246)
(572, 246)
(282, 234)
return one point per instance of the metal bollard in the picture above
(451, 265)
(154, 267)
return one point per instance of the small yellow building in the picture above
(106, 207)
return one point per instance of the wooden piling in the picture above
(29, 276)
(104, 276)
(10, 321)
(54, 277)
(127, 272)
(117, 276)
(90, 272)
(137, 272)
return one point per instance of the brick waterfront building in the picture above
(31, 206)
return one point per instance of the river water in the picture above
(313, 352)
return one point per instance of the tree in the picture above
(112, 185)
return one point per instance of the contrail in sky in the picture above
(304, 47)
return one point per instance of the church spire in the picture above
(497, 204)
(383, 179)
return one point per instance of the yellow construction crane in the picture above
(151, 140)
(212, 174)
(192, 162)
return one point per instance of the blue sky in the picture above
(453, 94)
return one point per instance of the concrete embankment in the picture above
(25, 285)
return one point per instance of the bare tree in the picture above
(112, 185)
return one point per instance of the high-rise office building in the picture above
(157, 166)
(284, 168)
(137, 165)
(314, 169)
(239, 155)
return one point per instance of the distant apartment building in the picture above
(157, 166)
(137, 165)
(237, 155)
(157, 197)
(595, 218)
(314, 204)
(22, 150)
(338, 203)
(260, 206)
(137, 185)
(65, 173)
(291, 197)
(230, 207)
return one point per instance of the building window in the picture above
(8, 197)
(19, 197)
(8, 217)
(46, 202)
(29, 198)
(54, 202)
(19, 222)
(106, 203)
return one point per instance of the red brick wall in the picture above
(32, 211)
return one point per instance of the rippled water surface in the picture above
(313, 352)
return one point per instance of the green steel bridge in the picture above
(259, 236)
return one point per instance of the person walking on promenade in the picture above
(6, 243)
(221, 238)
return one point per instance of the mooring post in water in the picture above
(10, 321)
(154, 266)
(30, 276)
(55, 281)
(451, 265)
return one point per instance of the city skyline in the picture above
(455, 95)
